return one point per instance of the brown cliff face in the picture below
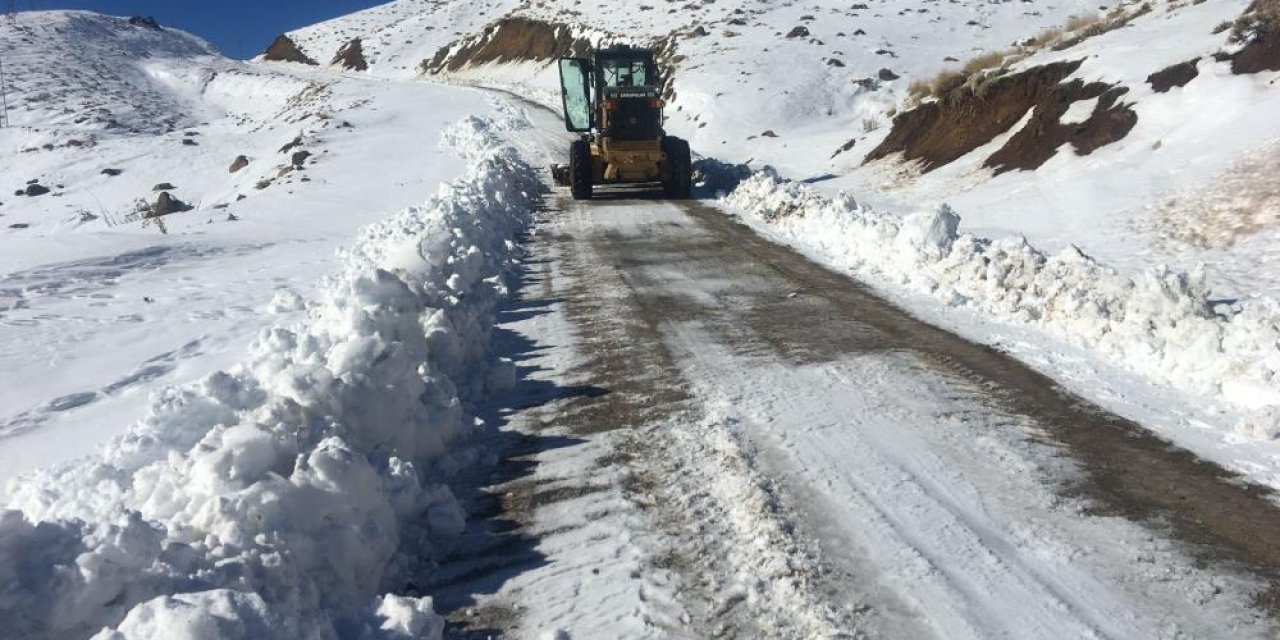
(940, 132)
(511, 39)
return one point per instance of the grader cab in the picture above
(614, 100)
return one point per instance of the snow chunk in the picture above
(409, 618)
(929, 234)
(1262, 424)
(285, 301)
(210, 615)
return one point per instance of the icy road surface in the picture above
(717, 438)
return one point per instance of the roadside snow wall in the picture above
(268, 500)
(1160, 324)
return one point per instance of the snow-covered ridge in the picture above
(1162, 324)
(90, 71)
(267, 501)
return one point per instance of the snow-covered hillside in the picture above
(99, 305)
(1128, 136)
(250, 364)
(813, 88)
(107, 74)
(124, 330)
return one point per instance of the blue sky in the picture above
(240, 28)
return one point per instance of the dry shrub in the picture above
(1046, 38)
(1076, 23)
(1262, 16)
(918, 90)
(949, 84)
(947, 81)
(983, 62)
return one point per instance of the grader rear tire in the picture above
(679, 182)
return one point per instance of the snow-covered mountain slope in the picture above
(86, 71)
(298, 343)
(815, 88)
(1133, 136)
(98, 306)
(271, 392)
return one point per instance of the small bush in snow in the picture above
(1262, 17)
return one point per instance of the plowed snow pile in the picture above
(1161, 323)
(269, 500)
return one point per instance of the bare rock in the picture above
(299, 158)
(36, 190)
(294, 144)
(167, 204)
(351, 56)
(1177, 75)
(798, 32)
(111, 172)
(239, 163)
(163, 186)
(284, 49)
(887, 75)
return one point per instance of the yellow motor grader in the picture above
(614, 100)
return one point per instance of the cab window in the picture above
(624, 73)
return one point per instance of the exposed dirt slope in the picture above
(511, 39)
(1040, 139)
(937, 133)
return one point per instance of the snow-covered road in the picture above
(376, 379)
(716, 437)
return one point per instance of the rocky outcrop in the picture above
(144, 21)
(1045, 133)
(284, 49)
(1260, 53)
(511, 39)
(940, 132)
(1177, 75)
(937, 133)
(167, 204)
(351, 56)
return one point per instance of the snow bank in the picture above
(1160, 324)
(267, 501)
